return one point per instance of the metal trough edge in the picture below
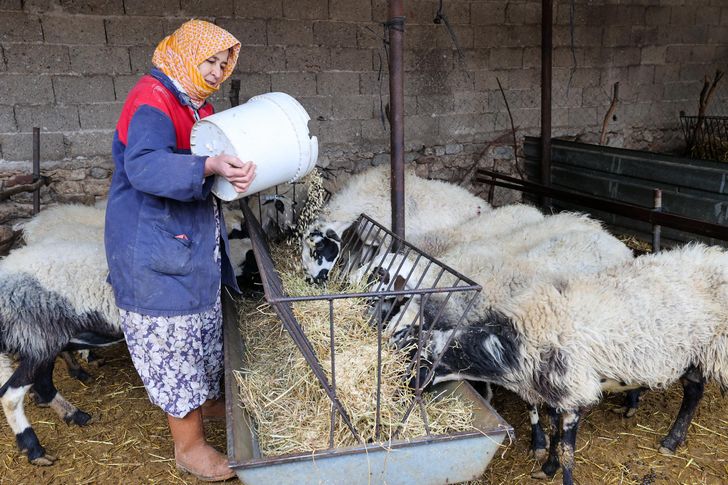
(470, 452)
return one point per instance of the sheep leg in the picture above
(74, 368)
(551, 465)
(693, 386)
(570, 426)
(11, 396)
(47, 393)
(539, 442)
(630, 404)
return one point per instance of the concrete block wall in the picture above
(67, 65)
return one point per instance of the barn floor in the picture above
(129, 442)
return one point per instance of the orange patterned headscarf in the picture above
(179, 54)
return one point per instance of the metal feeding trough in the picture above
(430, 459)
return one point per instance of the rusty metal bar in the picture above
(36, 169)
(656, 228)
(546, 90)
(639, 213)
(395, 25)
(234, 92)
(333, 370)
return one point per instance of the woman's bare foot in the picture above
(213, 408)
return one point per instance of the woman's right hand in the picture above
(240, 174)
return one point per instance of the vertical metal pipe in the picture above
(546, 81)
(656, 228)
(396, 112)
(36, 168)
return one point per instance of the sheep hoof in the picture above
(664, 450)
(78, 417)
(37, 400)
(540, 475)
(538, 454)
(621, 410)
(630, 412)
(81, 375)
(45, 460)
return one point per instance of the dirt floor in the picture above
(128, 441)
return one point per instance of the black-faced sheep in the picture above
(430, 205)
(53, 296)
(646, 323)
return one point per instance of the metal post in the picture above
(656, 228)
(396, 110)
(546, 80)
(36, 168)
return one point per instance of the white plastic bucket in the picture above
(270, 130)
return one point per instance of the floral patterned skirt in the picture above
(179, 359)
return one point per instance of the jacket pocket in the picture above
(169, 253)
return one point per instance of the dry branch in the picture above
(610, 112)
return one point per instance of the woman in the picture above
(166, 243)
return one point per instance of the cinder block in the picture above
(318, 107)
(36, 58)
(350, 10)
(19, 88)
(523, 13)
(247, 31)
(140, 58)
(306, 9)
(429, 60)
(678, 54)
(583, 117)
(208, 8)
(626, 56)
(256, 9)
(19, 146)
(375, 135)
(339, 131)
(375, 83)
(337, 83)
(357, 107)
(100, 60)
(470, 102)
(463, 127)
(252, 84)
(307, 58)
(88, 143)
(99, 116)
(368, 36)
(11, 5)
(83, 89)
(334, 34)
(683, 15)
(7, 120)
(290, 32)
(294, 83)
(261, 59)
(157, 7)
(351, 59)
(67, 29)
(420, 130)
(657, 15)
(123, 84)
(488, 13)
(682, 91)
(506, 58)
(20, 27)
(134, 30)
(531, 58)
(47, 117)
(434, 104)
(93, 7)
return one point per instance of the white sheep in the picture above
(645, 323)
(70, 222)
(430, 205)
(53, 296)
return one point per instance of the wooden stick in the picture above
(513, 129)
(6, 194)
(610, 112)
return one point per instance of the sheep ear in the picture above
(399, 283)
(331, 234)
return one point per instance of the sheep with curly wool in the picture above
(430, 205)
(53, 297)
(69, 222)
(649, 322)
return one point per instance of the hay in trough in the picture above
(288, 404)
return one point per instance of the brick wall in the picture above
(67, 65)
